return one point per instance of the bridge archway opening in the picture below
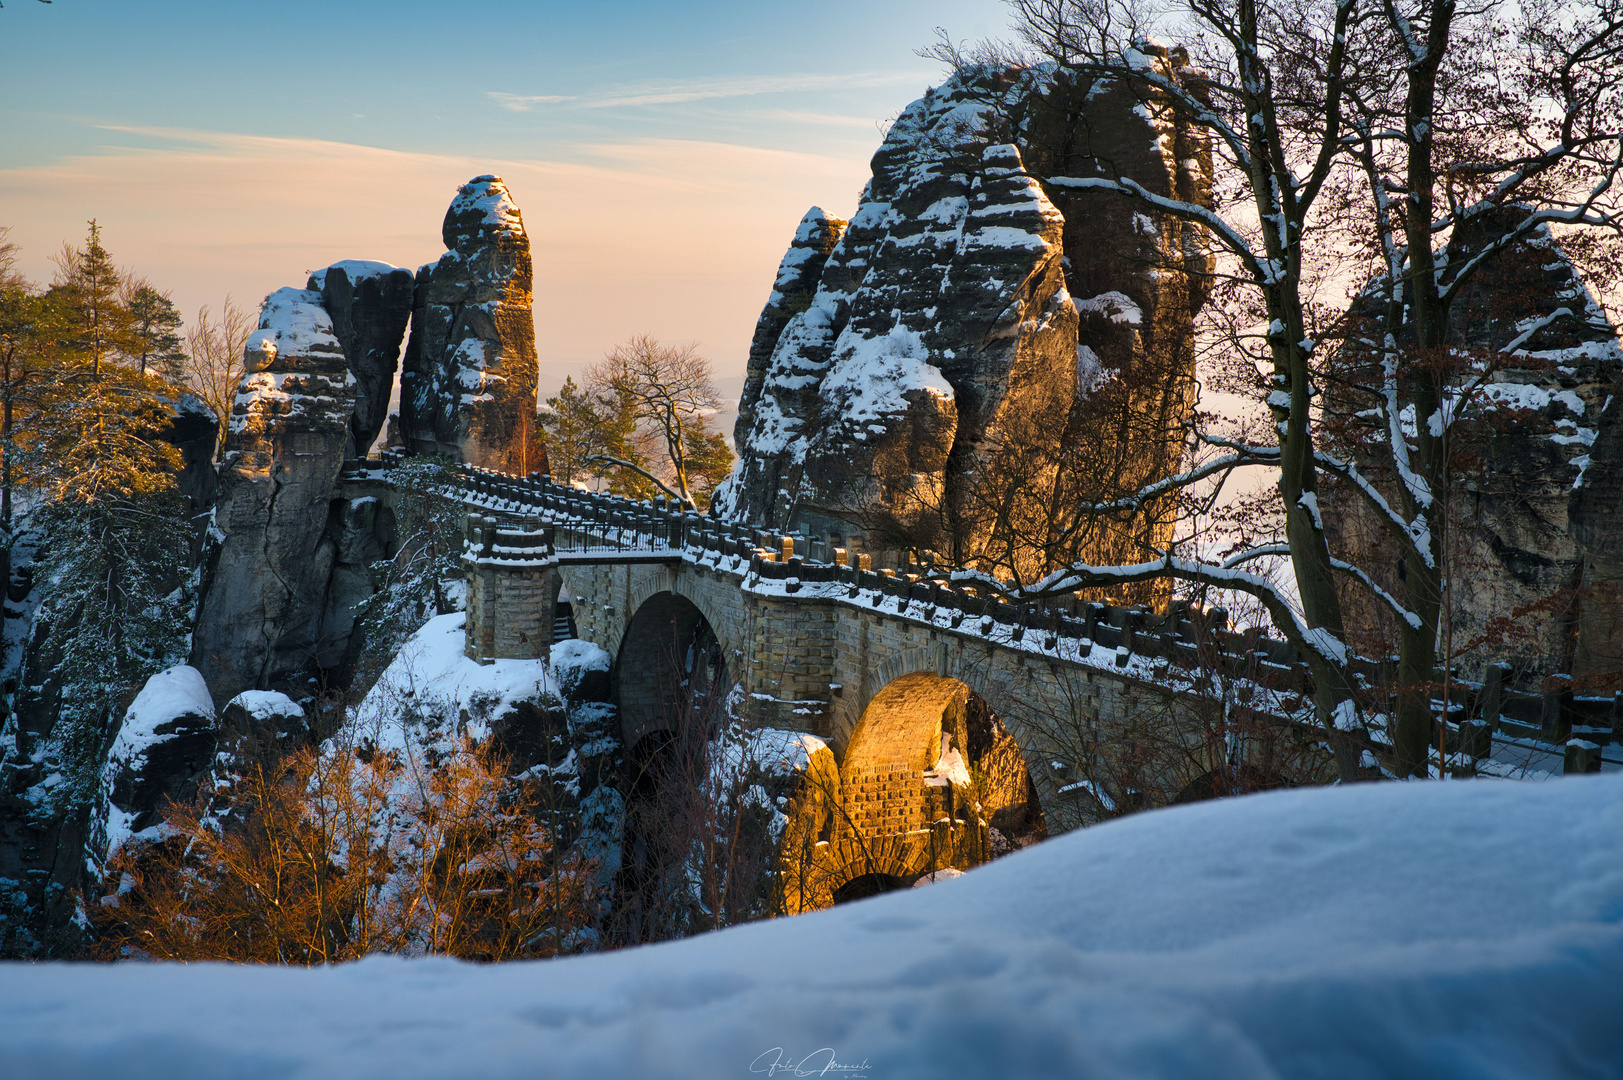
(866, 885)
(669, 668)
(671, 683)
(930, 779)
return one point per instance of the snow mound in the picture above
(267, 705)
(1467, 928)
(576, 659)
(354, 269)
(167, 696)
(292, 323)
(432, 674)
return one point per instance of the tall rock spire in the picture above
(467, 387)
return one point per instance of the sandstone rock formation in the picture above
(370, 305)
(260, 620)
(792, 293)
(935, 374)
(1523, 456)
(468, 385)
(165, 744)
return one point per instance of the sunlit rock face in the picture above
(467, 387)
(370, 305)
(273, 556)
(935, 372)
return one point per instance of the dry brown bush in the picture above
(319, 857)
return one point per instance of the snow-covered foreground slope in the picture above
(1430, 930)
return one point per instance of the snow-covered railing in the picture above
(588, 522)
(1575, 730)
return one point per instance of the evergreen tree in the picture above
(587, 431)
(88, 285)
(154, 329)
(112, 567)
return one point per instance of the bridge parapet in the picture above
(1166, 649)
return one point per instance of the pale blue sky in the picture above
(662, 152)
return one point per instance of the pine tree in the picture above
(112, 561)
(88, 284)
(154, 329)
(587, 429)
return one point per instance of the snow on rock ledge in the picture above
(432, 680)
(166, 742)
(581, 669)
(908, 360)
(1301, 933)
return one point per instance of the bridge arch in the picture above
(666, 581)
(929, 779)
(668, 663)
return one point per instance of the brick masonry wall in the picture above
(510, 612)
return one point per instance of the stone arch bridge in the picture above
(936, 712)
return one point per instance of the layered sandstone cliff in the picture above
(1530, 534)
(289, 428)
(290, 566)
(370, 305)
(955, 366)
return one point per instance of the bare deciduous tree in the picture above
(330, 854)
(670, 394)
(214, 357)
(1345, 131)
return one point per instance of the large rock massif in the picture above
(1532, 508)
(369, 303)
(295, 541)
(288, 433)
(936, 372)
(468, 387)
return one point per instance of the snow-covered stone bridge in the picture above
(903, 686)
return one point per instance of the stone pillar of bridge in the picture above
(512, 589)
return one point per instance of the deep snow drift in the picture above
(1467, 928)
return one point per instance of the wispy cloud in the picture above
(205, 212)
(669, 93)
(524, 102)
(802, 116)
(680, 91)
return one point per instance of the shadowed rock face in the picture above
(260, 618)
(1529, 581)
(468, 385)
(370, 305)
(926, 374)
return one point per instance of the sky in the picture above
(662, 153)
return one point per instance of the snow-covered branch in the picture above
(1177, 208)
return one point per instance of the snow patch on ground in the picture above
(431, 668)
(1463, 928)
